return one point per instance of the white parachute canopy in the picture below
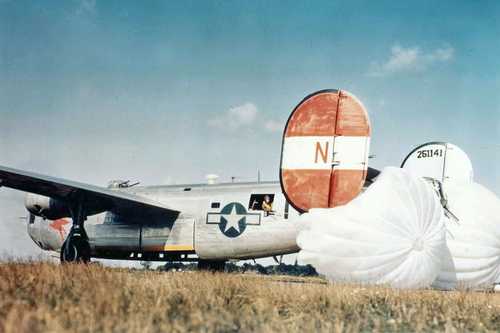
(473, 260)
(391, 234)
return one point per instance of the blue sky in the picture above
(167, 92)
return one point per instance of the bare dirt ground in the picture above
(44, 297)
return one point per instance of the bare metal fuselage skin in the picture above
(217, 222)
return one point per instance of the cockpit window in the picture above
(261, 202)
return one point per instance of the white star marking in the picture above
(232, 220)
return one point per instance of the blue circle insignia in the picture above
(233, 220)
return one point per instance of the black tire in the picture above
(75, 250)
(69, 252)
(84, 251)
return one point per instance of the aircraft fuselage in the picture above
(218, 222)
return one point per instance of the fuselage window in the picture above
(215, 205)
(262, 202)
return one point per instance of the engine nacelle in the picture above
(48, 235)
(46, 207)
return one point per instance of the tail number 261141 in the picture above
(430, 153)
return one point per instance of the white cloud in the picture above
(86, 7)
(411, 59)
(245, 116)
(236, 118)
(274, 126)
(443, 54)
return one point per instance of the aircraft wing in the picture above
(97, 199)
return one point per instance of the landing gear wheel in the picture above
(212, 265)
(76, 247)
(75, 250)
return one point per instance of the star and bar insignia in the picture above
(233, 219)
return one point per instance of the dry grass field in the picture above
(43, 297)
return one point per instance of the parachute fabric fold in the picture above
(473, 259)
(391, 234)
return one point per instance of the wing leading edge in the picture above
(97, 199)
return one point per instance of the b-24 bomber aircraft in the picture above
(324, 163)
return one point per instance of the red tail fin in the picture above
(324, 155)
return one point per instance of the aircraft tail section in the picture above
(441, 161)
(324, 156)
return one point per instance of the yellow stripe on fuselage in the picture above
(178, 248)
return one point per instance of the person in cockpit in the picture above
(267, 206)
